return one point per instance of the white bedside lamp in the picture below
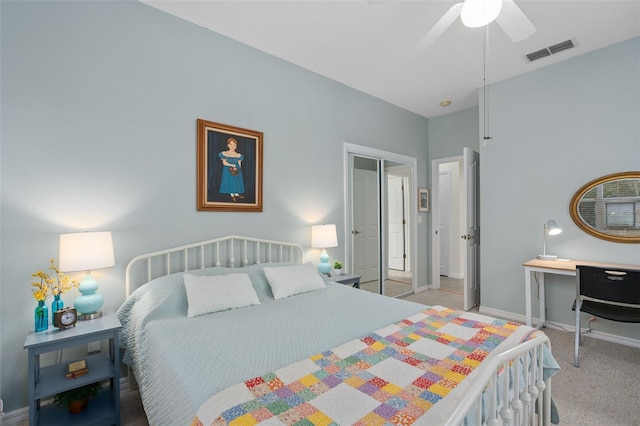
(86, 251)
(324, 236)
(550, 228)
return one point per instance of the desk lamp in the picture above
(86, 251)
(550, 228)
(324, 236)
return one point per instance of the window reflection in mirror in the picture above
(609, 207)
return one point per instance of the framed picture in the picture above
(229, 168)
(423, 200)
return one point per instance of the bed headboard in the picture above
(230, 251)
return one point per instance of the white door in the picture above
(396, 218)
(445, 222)
(471, 163)
(365, 224)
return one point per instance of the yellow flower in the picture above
(39, 294)
(54, 283)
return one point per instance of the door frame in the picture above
(412, 162)
(435, 250)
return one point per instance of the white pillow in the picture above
(213, 293)
(286, 281)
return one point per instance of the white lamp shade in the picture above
(86, 251)
(324, 236)
(553, 228)
(478, 13)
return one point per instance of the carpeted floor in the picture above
(604, 391)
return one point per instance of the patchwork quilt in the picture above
(396, 375)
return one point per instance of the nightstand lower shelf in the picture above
(101, 412)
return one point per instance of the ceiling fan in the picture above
(478, 13)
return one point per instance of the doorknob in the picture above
(355, 232)
(467, 237)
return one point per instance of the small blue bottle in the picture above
(41, 316)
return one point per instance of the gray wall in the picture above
(100, 101)
(553, 131)
(450, 134)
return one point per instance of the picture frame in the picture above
(423, 200)
(229, 168)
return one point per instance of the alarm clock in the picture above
(65, 317)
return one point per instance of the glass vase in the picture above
(56, 305)
(41, 316)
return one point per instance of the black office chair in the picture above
(609, 293)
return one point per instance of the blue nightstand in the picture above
(347, 279)
(45, 382)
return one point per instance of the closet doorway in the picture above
(380, 221)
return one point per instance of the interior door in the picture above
(397, 221)
(365, 224)
(471, 167)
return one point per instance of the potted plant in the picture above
(337, 267)
(77, 399)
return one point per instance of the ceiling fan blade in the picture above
(441, 26)
(514, 22)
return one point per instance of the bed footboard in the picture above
(520, 368)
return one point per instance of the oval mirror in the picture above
(609, 207)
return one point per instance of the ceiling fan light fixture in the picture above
(478, 13)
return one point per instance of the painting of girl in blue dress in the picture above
(232, 181)
(229, 168)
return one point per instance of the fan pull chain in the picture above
(485, 89)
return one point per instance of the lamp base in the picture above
(547, 257)
(84, 317)
(89, 302)
(324, 267)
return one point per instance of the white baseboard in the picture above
(459, 276)
(422, 288)
(502, 314)
(21, 415)
(622, 340)
(16, 417)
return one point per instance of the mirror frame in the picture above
(573, 207)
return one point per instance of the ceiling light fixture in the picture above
(478, 13)
(445, 104)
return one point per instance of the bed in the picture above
(239, 330)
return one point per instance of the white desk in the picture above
(557, 267)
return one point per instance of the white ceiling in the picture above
(373, 45)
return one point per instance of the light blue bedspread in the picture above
(180, 362)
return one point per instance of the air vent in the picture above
(538, 55)
(547, 51)
(561, 46)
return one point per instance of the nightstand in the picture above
(347, 279)
(47, 381)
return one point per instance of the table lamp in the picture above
(86, 251)
(550, 228)
(324, 236)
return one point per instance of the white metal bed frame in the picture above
(525, 359)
